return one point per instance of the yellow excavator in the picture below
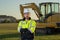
(48, 16)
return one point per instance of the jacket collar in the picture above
(28, 19)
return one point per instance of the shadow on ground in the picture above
(16, 35)
(9, 35)
(13, 35)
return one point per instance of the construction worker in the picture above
(27, 26)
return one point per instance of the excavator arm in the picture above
(33, 6)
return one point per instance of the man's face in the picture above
(26, 15)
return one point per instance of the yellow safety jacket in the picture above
(30, 25)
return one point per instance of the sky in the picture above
(11, 7)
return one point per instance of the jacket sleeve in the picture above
(32, 26)
(19, 26)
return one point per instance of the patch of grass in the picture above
(16, 36)
(9, 32)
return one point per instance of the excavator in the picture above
(48, 16)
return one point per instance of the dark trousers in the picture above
(26, 34)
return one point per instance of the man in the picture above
(27, 26)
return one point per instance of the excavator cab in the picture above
(49, 8)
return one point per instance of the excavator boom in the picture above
(33, 6)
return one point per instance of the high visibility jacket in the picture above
(30, 25)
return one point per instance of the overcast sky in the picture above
(11, 7)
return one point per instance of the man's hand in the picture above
(30, 30)
(19, 28)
